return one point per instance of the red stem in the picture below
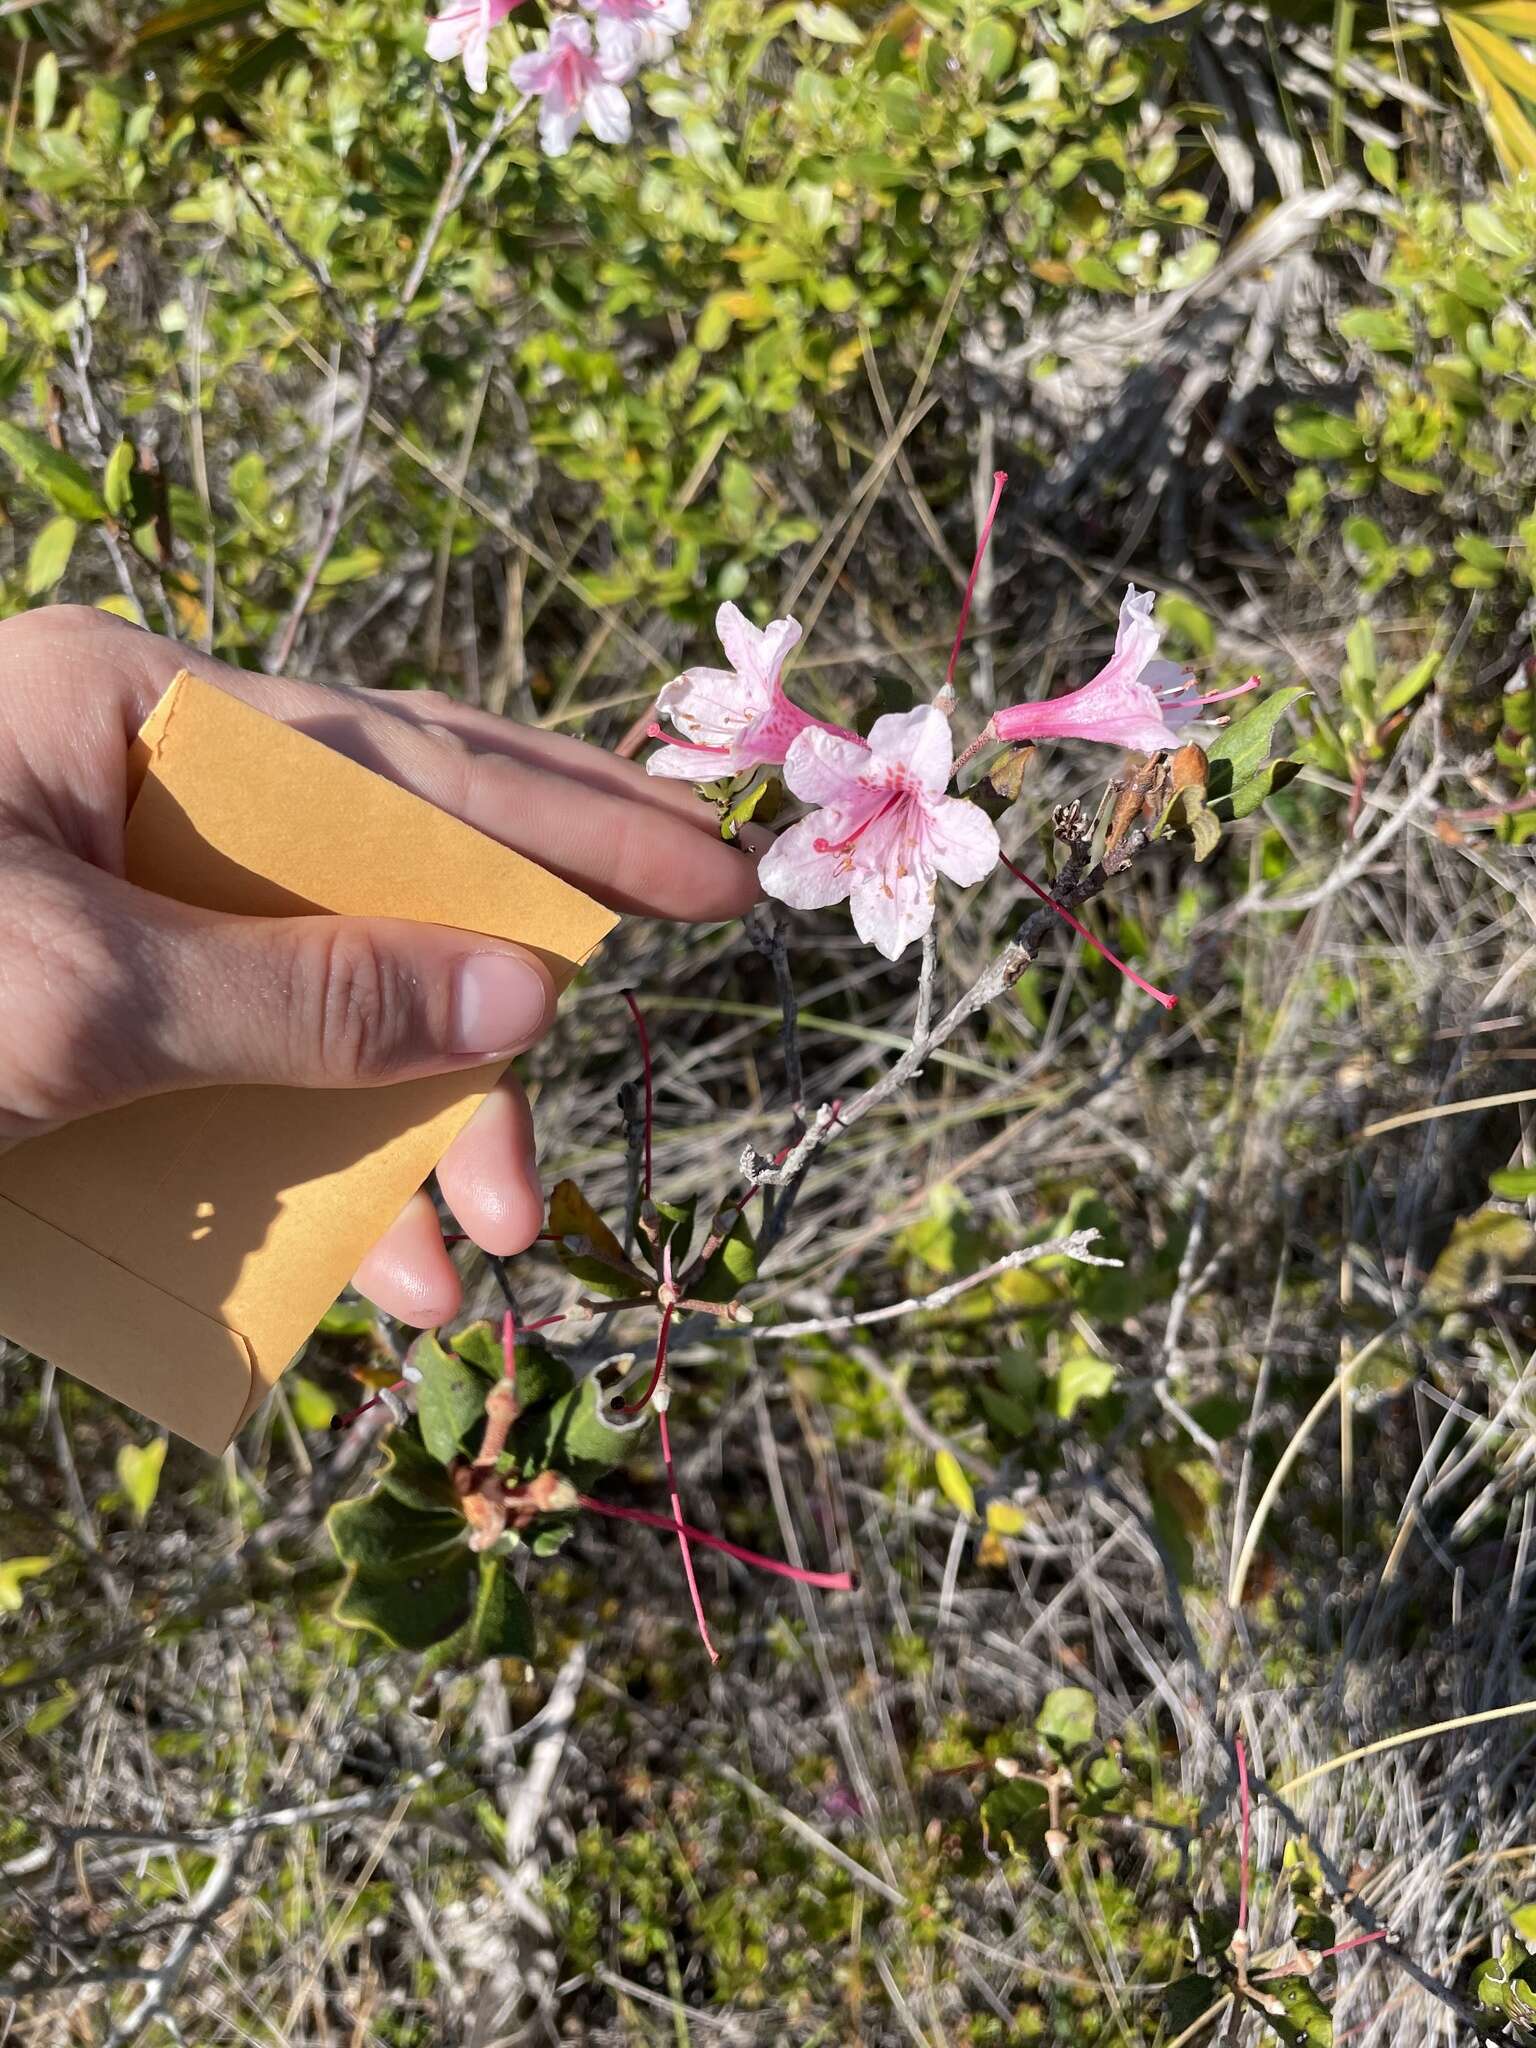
(645, 1062)
(1342, 1948)
(663, 1332)
(1246, 1813)
(831, 1582)
(682, 1539)
(509, 1347)
(1158, 995)
(999, 485)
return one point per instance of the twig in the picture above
(1076, 1246)
(206, 1907)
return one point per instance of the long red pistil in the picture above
(657, 732)
(830, 1582)
(999, 485)
(842, 845)
(1158, 995)
(645, 1062)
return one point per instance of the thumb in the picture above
(332, 1002)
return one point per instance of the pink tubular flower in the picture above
(736, 719)
(636, 33)
(886, 831)
(573, 86)
(463, 29)
(1134, 701)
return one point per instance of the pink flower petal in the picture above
(919, 741)
(797, 873)
(822, 768)
(962, 841)
(892, 907)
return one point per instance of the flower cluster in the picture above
(883, 826)
(579, 71)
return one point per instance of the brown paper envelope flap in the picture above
(248, 816)
(174, 1364)
(251, 1207)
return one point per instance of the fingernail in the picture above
(500, 1003)
(754, 839)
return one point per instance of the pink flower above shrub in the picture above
(885, 831)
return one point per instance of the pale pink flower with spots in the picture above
(638, 33)
(737, 719)
(573, 85)
(463, 29)
(1134, 701)
(885, 831)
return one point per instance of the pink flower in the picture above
(463, 29)
(886, 831)
(636, 33)
(574, 86)
(736, 719)
(1134, 701)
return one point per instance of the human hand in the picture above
(109, 993)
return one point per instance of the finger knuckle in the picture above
(363, 1012)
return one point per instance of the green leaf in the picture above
(1188, 1999)
(732, 1265)
(1068, 1719)
(1360, 650)
(385, 1536)
(1411, 684)
(1482, 1249)
(36, 461)
(48, 557)
(1017, 1812)
(1388, 333)
(570, 1436)
(1514, 1183)
(502, 1622)
(541, 1373)
(14, 1571)
(1081, 1377)
(45, 91)
(52, 1713)
(138, 1473)
(412, 1611)
(1244, 744)
(450, 1400)
(411, 1474)
(1491, 231)
(989, 48)
(117, 484)
(828, 24)
(1248, 795)
(1304, 2022)
(676, 1230)
(1317, 436)
(587, 1248)
(954, 1485)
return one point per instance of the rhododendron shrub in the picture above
(502, 1446)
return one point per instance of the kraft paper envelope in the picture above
(177, 1253)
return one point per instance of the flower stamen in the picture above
(1158, 995)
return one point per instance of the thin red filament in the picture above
(356, 1414)
(509, 1347)
(657, 732)
(830, 1582)
(645, 1062)
(999, 485)
(1158, 995)
(842, 845)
